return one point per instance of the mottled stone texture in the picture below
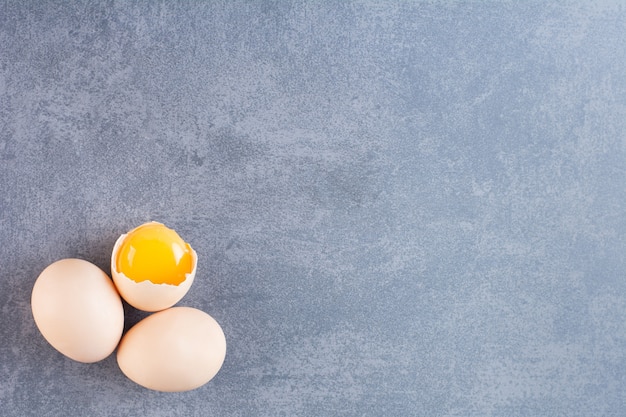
(400, 208)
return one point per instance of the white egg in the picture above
(177, 349)
(78, 310)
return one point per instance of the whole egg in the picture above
(78, 310)
(177, 349)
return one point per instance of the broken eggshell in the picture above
(146, 295)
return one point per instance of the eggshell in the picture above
(178, 349)
(78, 310)
(146, 295)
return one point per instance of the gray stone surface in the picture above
(400, 208)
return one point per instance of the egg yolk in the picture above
(155, 253)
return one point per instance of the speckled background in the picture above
(400, 208)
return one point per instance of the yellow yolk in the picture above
(155, 253)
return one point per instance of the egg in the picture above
(153, 267)
(178, 349)
(78, 310)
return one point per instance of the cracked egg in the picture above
(152, 267)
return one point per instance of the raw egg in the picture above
(178, 349)
(153, 267)
(78, 310)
